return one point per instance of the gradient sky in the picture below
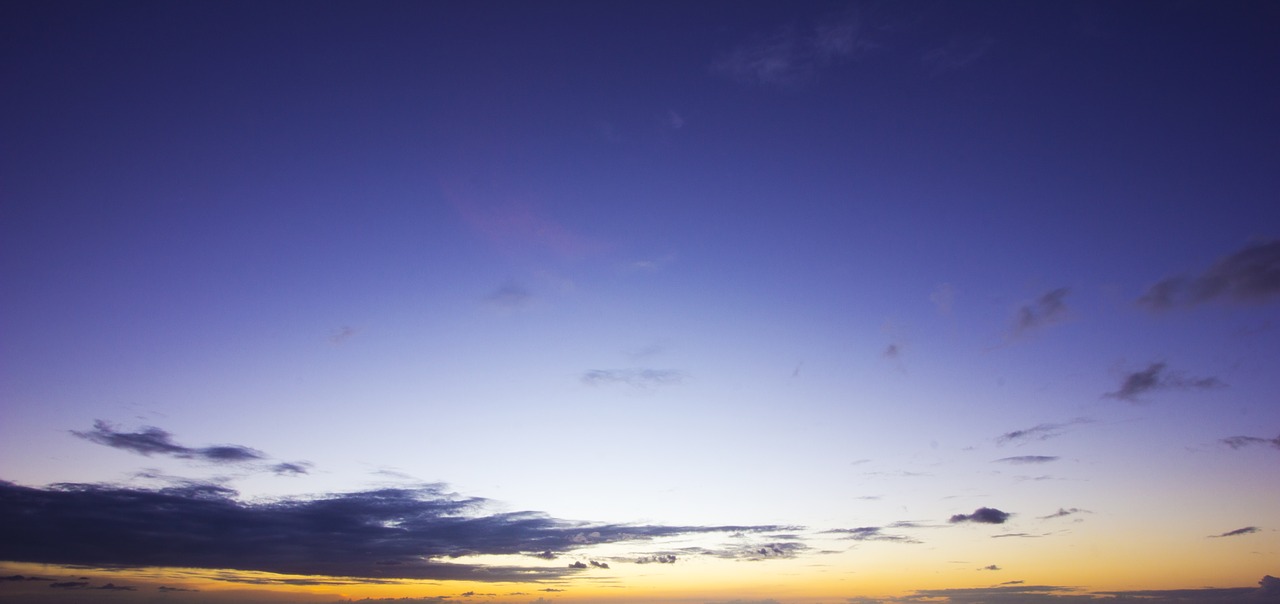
(699, 302)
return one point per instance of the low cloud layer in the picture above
(151, 440)
(1251, 274)
(1155, 377)
(871, 533)
(380, 534)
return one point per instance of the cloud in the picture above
(943, 298)
(1027, 459)
(991, 567)
(1064, 512)
(983, 516)
(370, 535)
(892, 351)
(578, 565)
(69, 585)
(1048, 308)
(1240, 531)
(151, 440)
(510, 296)
(1154, 377)
(1039, 432)
(794, 56)
(23, 578)
(1239, 442)
(1251, 274)
(871, 533)
(658, 559)
(599, 564)
(639, 378)
(166, 588)
(341, 336)
(958, 53)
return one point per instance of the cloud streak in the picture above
(1251, 274)
(1248, 530)
(1154, 377)
(638, 378)
(151, 440)
(1028, 459)
(1240, 442)
(378, 534)
(1038, 432)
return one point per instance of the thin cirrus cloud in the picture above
(795, 56)
(1251, 274)
(636, 378)
(1240, 442)
(982, 515)
(1011, 592)
(871, 533)
(1027, 459)
(151, 440)
(377, 534)
(1064, 512)
(1155, 377)
(1039, 432)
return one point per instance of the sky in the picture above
(568, 302)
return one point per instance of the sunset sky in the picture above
(567, 302)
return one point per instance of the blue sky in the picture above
(838, 276)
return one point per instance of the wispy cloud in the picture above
(379, 534)
(982, 516)
(1048, 308)
(638, 378)
(1248, 530)
(1039, 431)
(1027, 459)
(1154, 377)
(510, 296)
(956, 54)
(991, 567)
(795, 55)
(1251, 274)
(1063, 512)
(871, 533)
(151, 440)
(1239, 442)
(342, 335)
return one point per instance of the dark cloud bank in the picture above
(384, 534)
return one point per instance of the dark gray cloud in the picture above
(166, 588)
(1048, 308)
(578, 565)
(23, 578)
(983, 516)
(639, 378)
(1028, 459)
(1239, 442)
(151, 440)
(1154, 377)
(1039, 432)
(871, 533)
(991, 567)
(598, 564)
(658, 559)
(1251, 274)
(1236, 533)
(371, 535)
